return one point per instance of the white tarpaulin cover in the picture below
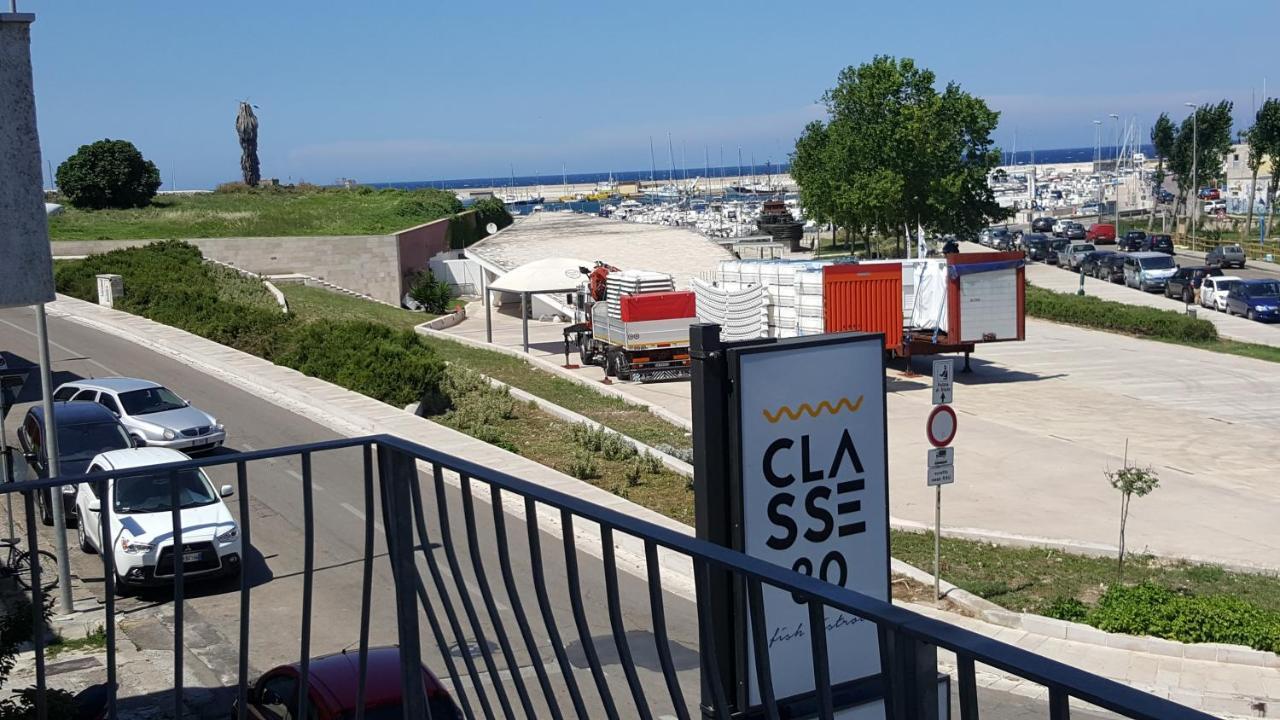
(543, 276)
(740, 313)
(929, 308)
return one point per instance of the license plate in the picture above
(190, 557)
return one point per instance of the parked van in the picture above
(1101, 234)
(1148, 270)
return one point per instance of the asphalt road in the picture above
(275, 563)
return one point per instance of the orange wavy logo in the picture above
(842, 404)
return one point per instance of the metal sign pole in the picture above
(51, 450)
(6, 474)
(937, 542)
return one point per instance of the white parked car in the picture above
(141, 529)
(151, 412)
(1060, 228)
(1213, 292)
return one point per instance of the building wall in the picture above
(417, 245)
(367, 263)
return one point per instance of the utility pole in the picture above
(1195, 168)
(1097, 163)
(1115, 168)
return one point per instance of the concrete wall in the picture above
(367, 263)
(416, 247)
(26, 271)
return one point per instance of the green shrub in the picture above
(1149, 609)
(590, 437)
(1066, 608)
(1092, 312)
(435, 296)
(108, 174)
(490, 210)
(476, 405)
(651, 463)
(633, 472)
(583, 466)
(617, 448)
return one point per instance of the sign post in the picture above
(941, 430)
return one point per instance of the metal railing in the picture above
(490, 680)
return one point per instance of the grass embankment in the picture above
(627, 418)
(1139, 321)
(265, 212)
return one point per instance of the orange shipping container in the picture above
(864, 298)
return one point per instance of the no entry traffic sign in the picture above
(941, 426)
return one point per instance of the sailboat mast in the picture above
(671, 158)
(653, 164)
(739, 165)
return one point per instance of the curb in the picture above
(445, 321)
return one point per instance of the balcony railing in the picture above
(512, 605)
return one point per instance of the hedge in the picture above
(169, 282)
(1091, 312)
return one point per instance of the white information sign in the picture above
(815, 494)
(942, 475)
(943, 456)
(943, 376)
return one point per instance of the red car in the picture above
(1100, 234)
(332, 691)
(1210, 194)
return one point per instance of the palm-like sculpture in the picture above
(247, 129)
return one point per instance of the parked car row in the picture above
(109, 424)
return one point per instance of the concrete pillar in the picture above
(27, 278)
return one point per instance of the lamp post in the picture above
(1097, 162)
(1115, 168)
(1195, 169)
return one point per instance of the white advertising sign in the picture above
(815, 494)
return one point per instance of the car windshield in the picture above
(82, 442)
(150, 493)
(1233, 249)
(151, 400)
(1267, 288)
(1084, 248)
(1157, 263)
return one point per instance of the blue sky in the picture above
(385, 91)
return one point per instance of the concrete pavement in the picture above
(1042, 419)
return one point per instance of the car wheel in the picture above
(46, 514)
(123, 588)
(1142, 285)
(611, 364)
(1166, 292)
(85, 545)
(1251, 315)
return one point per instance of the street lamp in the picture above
(1115, 168)
(1097, 165)
(1195, 170)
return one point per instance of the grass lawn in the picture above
(1029, 579)
(311, 303)
(627, 418)
(262, 213)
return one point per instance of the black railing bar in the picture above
(450, 614)
(109, 587)
(658, 613)
(760, 646)
(201, 462)
(708, 653)
(885, 645)
(580, 616)
(517, 608)
(308, 582)
(246, 542)
(366, 582)
(179, 587)
(1091, 688)
(397, 472)
(616, 623)
(968, 695)
(443, 644)
(821, 660)
(1059, 705)
(534, 533)
(37, 603)
(486, 595)
(468, 607)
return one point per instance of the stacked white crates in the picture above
(785, 307)
(809, 300)
(633, 282)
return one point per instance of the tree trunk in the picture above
(1124, 516)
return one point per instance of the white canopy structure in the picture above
(549, 275)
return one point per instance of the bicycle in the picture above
(18, 566)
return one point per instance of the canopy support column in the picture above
(524, 318)
(488, 310)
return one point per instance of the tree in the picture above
(1163, 134)
(1208, 132)
(1264, 139)
(1130, 480)
(108, 174)
(491, 210)
(247, 129)
(895, 151)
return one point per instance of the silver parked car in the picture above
(151, 412)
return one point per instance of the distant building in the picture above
(1236, 167)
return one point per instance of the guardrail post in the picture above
(911, 677)
(713, 519)
(397, 471)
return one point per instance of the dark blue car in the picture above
(84, 430)
(1255, 299)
